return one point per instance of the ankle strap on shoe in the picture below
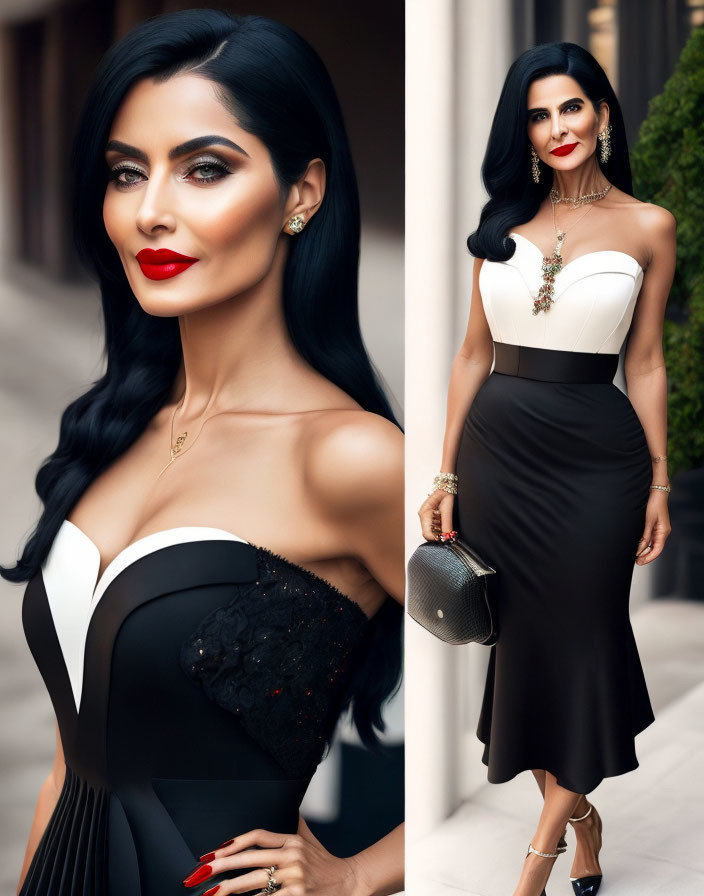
(582, 817)
(546, 855)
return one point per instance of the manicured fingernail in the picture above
(211, 891)
(208, 857)
(226, 843)
(198, 874)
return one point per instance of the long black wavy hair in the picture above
(279, 89)
(514, 197)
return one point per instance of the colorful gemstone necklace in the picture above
(552, 264)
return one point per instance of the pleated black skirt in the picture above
(553, 484)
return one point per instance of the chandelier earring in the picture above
(296, 223)
(535, 170)
(605, 139)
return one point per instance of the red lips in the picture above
(160, 264)
(563, 150)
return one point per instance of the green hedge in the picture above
(668, 169)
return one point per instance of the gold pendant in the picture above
(178, 444)
(552, 265)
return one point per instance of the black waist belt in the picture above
(553, 364)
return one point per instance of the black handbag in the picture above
(447, 593)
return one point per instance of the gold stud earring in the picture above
(605, 139)
(296, 223)
(535, 170)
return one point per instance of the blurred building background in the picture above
(465, 836)
(51, 332)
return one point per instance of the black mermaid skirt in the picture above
(554, 480)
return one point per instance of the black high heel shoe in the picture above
(548, 855)
(589, 885)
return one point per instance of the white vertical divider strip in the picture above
(429, 288)
(457, 54)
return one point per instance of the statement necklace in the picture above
(552, 264)
(576, 201)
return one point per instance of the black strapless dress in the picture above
(195, 705)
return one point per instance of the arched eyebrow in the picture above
(180, 150)
(563, 105)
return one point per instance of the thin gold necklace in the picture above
(552, 264)
(177, 446)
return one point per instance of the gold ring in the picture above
(272, 886)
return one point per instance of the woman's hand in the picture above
(657, 528)
(436, 514)
(302, 866)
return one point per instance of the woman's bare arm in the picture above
(644, 369)
(381, 865)
(470, 368)
(46, 803)
(355, 476)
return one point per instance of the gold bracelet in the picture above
(446, 482)
(664, 488)
(659, 458)
(445, 487)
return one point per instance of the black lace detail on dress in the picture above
(278, 656)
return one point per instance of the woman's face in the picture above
(562, 122)
(186, 179)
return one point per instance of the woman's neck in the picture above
(237, 355)
(588, 178)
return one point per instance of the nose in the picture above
(155, 208)
(558, 125)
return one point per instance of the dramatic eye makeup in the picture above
(574, 105)
(211, 163)
(193, 145)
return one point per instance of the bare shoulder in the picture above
(353, 460)
(656, 220)
(659, 229)
(647, 215)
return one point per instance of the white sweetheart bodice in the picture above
(70, 573)
(593, 303)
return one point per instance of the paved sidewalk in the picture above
(653, 817)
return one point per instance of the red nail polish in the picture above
(198, 874)
(211, 891)
(208, 857)
(226, 843)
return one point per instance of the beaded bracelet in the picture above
(446, 482)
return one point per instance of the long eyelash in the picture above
(223, 170)
(114, 173)
(209, 163)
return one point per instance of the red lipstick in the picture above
(563, 150)
(160, 264)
